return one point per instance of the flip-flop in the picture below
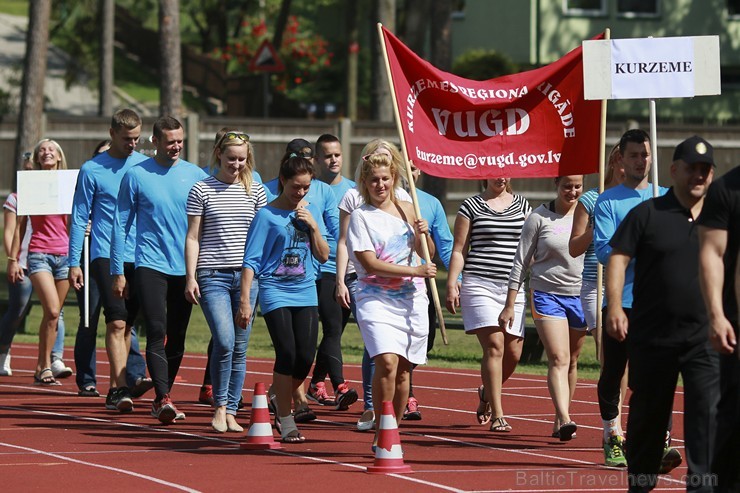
(483, 413)
(499, 425)
(293, 437)
(304, 415)
(89, 391)
(46, 381)
(566, 431)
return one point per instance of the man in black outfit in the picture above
(668, 324)
(719, 235)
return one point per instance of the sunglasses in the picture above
(234, 136)
(381, 153)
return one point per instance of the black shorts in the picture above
(115, 309)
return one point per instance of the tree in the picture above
(107, 32)
(382, 104)
(170, 63)
(30, 120)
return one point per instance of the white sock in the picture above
(611, 428)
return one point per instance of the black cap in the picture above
(694, 150)
(299, 147)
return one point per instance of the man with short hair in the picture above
(154, 194)
(95, 197)
(719, 236)
(668, 322)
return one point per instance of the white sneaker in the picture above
(366, 421)
(5, 370)
(60, 370)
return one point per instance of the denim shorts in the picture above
(56, 265)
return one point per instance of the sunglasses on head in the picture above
(376, 153)
(234, 136)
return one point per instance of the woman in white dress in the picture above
(383, 240)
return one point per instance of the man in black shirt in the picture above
(668, 324)
(719, 235)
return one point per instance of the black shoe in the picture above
(119, 400)
(141, 387)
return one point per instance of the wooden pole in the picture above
(602, 168)
(412, 186)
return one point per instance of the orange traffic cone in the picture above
(388, 453)
(259, 436)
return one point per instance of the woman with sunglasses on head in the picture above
(48, 264)
(284, 248)
(555, 282)
(220, 211)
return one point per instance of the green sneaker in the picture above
(614, 452)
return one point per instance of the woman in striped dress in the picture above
(220, 210)
(487, 231)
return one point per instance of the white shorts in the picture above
(482, 301)
(588, 302)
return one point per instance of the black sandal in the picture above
(500, 425)
(483, 413)
(89, 391)
(46, 381)
(293, 436)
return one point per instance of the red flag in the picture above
(530, 124)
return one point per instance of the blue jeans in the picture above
(219, 298)
(368, 364)
(85, 344)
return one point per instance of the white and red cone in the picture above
(259, 436)
(388, 453)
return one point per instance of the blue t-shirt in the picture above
(611, 208)
(339, 190)
(157, 196)
(588, 199)
(96, 193)
(280, 256)
(431, 209)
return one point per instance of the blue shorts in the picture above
(547, 306)
(56, 265)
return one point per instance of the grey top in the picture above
(543, 249)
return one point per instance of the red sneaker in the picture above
(164, 410)
(412, 413)
(345, 397)
(206, 395)
(317, 392)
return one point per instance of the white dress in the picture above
(391, 311)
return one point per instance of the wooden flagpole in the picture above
(602, 166)
(412, 186)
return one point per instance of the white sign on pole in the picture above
(649, 68)
(42, 192)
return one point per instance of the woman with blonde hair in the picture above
(383, 240)
(220, 211)
(48, 264)
(487, 231)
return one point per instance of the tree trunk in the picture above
(416, 23)
(353, 53)
(170, 88)
(107, 31)
(382, 104)
(30, 120)
(280, 22)
(441, 57)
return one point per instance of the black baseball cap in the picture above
(694, 150)
(301, 147)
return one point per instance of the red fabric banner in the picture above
(530, 124)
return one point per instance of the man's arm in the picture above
(616, 320)
(711, 274)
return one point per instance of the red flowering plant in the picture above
(304, 53)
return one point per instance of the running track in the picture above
(52, 440)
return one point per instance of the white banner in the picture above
(651, 68)
(46, 192)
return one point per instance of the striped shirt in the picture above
(494, 236)
(588, 199)
(226, 214)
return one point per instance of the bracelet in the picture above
(12, 259)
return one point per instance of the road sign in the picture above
(266, 59)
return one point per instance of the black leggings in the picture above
(614, 354)
(293, 330)
(166, 314)
(333, 319)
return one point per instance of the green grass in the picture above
(14, 7)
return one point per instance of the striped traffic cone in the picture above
(259, 436)
(388, 453)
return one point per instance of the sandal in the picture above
(304, 415)
(46, 381)
(293, 436)
(483, 413)
(566, 431)
(278, 425)
(500, 425)
(89, 391)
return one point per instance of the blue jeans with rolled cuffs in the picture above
(219, 297)
(368, 364)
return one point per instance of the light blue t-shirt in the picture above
(588, 199)
(610, 210)
(431, 209)
(280, 256)
(157, 196)
(96, 193)
(339, 190)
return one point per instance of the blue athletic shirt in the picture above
(95, 199)
(431, 209)
(157, 195)
(611, 208)
(280, 256)
(588, 199)
(339, 190)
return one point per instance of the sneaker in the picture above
(671, 459)
(179, 415)
(240, 404)
(412, 413)
(141, 386)
(345, 397)
(164, 410)
(317, 393)
(60, 370)
(206, 395)
(5, 370)
(366, 421)
(119, 400)
(614, 452)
